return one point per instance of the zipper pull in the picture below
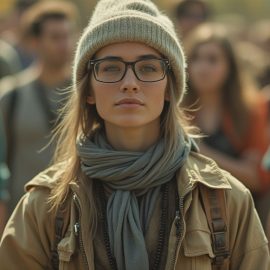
(177, 223)
(77, 228)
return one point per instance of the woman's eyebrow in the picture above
(111, 57)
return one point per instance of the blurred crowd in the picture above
(228, 95)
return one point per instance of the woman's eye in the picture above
(148, 69)
(110, 68)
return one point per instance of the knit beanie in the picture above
(115, 21)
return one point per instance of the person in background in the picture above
(9, 60)
(231, 115)
(189, 14)
(266, 165)
(12, 33)
(30, 107)
(259, 35)
(4, 175)
(266, 160)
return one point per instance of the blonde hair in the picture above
(78, 117)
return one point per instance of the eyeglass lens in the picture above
(145, 70)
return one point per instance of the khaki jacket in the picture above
(29, 235)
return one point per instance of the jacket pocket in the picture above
(197, 253)
(66, 249)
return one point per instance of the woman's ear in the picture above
(91, 100)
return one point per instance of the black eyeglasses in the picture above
(110, 70)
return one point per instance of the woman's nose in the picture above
(130, 82)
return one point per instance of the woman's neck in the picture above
(210, 113)
(211, 100)
(54, 76)
(132, 138)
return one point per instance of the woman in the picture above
(123, 193)
(231, 114)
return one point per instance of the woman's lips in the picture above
(129, 103)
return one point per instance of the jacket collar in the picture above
(200, 169)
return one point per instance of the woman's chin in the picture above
(129, 122)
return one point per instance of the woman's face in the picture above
(128, 102)
(208, 68)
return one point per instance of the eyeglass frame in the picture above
(92, 63)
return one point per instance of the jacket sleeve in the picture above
(25, 243)
(248, 243)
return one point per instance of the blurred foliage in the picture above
(6, 6)
(249, 9)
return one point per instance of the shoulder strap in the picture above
(59, 226)
(214, 204)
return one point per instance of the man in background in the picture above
(30, 106)
(15, 53)
(189, 14)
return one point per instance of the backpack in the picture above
(214, 205)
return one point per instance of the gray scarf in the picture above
(130, 174)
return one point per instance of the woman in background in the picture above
(231, 115)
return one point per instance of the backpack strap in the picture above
(59, 226)
(214, 204)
